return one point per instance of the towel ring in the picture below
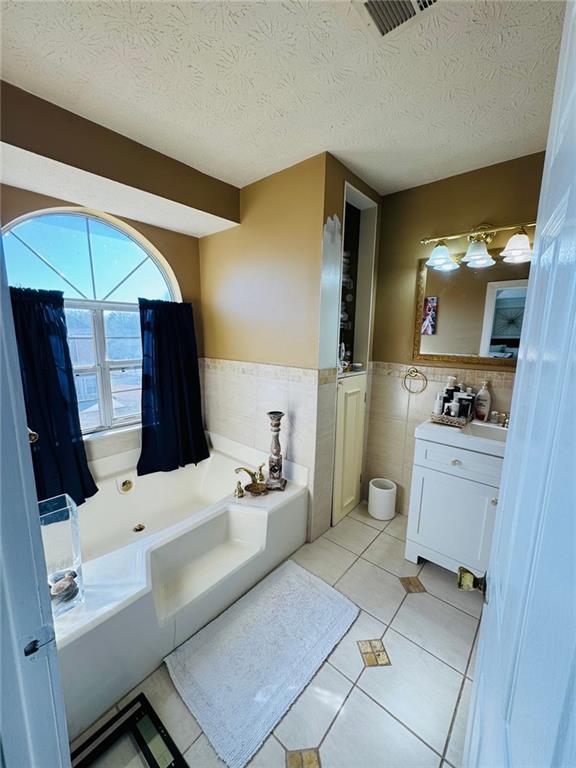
(413, 374)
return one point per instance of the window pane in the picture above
(114, 256)
(81, 351)
(89, 259)
(79, 322)
(126, 392)
(122, 324)
(147, 282)
(62, 240)
(88, 403)
(25, 270)
(124, 349)
(80, 336)
(122, 331)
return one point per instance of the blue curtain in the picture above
(59, 459)
(172, 431)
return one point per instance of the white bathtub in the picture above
(148, 591)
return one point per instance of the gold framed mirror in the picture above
(470, 316)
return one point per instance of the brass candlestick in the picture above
(275, 480)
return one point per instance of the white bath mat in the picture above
(240, 674)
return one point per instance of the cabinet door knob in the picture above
(494, 501)
(455, 462)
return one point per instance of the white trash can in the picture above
(381, 499)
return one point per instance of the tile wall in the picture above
(236, 398)
(394, 414)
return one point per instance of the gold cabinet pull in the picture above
(455, 462)
(32, 436)
(494, 501)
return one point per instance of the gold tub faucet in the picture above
(256, 486)
(253, 475)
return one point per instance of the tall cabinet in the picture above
(350, 413)
(354, 340)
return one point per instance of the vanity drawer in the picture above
(458, 461)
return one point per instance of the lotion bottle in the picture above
(483, 401)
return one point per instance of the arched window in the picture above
(103, 267)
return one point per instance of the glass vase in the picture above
(61, 539)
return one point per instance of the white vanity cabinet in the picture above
(454, 495)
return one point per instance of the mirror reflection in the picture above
(472, 311)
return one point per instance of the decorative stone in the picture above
(64, 588)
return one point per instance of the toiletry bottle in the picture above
(455, 408)
(438, 404)
(466, 405)
(466, 401)
(483, 400)
(450, 387)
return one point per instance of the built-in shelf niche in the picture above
(357, 275)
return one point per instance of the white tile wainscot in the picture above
(236, 397)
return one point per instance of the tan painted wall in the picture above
(45, 129)
(501, 194)
(180, 251)
(461, 300)
(261, 281)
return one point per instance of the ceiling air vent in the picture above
(389, 14)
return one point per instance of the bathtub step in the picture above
(194, 578)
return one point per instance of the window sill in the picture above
(98, 445)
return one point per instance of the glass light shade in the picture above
(476, 251)
(440, 255)
(447, 266)
(481, 263)
(517, 249)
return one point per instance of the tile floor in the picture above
(411, 713)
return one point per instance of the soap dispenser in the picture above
(483, 401)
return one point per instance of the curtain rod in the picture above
(481, 230)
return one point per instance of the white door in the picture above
(32, 725)
(350, 410)
(523, 710)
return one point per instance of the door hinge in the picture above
(43, 637)
(467, 582)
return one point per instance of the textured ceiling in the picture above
(240, 90)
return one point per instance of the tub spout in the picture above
(253, 475)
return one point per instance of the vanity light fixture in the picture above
(477, 256)
(517, 248)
